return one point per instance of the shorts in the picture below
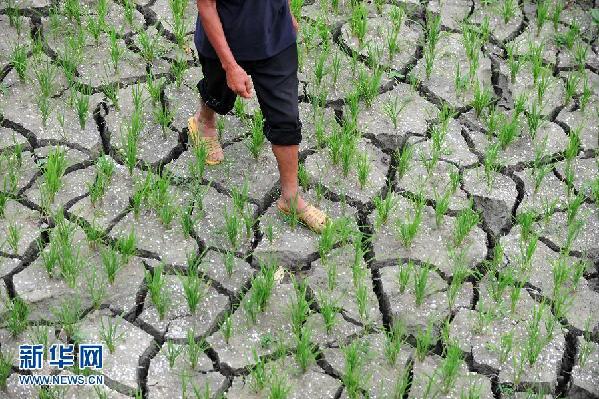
(276, 85)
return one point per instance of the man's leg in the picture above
(287, 160)
(216, 98)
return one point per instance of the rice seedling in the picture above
(305, 351)
(116, 51)
(109, 332)
(6, 362)
(256, 140)
(17, 315)
(465, 221)
(580, 55)
(450, 367)
(328, 309)
(148, 46)
(67, 316)
(279, 386)
(359, 21)
(542, 14)
(258, 374)
(542, 84)
(364, 168)
(482, 98)
(515, 292)
(508, 10)
(300, 308)
(13, 237)
(195, 348)
(163, 117)
(111, 262)
(404, 272)
(157, 289)
(408, 229)
(513, 61)
(394, 339)
(18, 60)
(420, 283)
(460, 81)
(232, 228)
(586, 94)
(129, 146)
(534, 344)
(369, 85)
(392, 42)
(568, 38)
(194, 289)
(54, 169)
(460, 273)
(429, 60)
(353, 377)
(534, 119)
(572, 83)
(404, 156)
(172, 352)
(362, 300)
(424, 341)
(384, 206)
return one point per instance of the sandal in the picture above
(212, 144)
(310, 216)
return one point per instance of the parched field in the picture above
(454, 144)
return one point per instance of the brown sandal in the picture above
(212, 144)
(310, 216)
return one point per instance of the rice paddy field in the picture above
(453, 143)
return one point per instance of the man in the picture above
(238, 38)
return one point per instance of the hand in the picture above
(295, 23)
(239, 81)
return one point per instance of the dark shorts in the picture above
(276, 85)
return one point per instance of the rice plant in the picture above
(194, 289)
(572, 83)
(482, 98)
(300, 307)
(109, 332)
(54, 169)
(195, 348)
(163, 116)
(542, 13)
(409, 226)
(450, 367)
(158, 290)
(424, 341)
(19, 60)
(420, 282)
(394, 340)
(17, 315)
(404, 157)
(359, 21)
(6, 362)
(111, 262)
(329, 309)
(67, 316)
(508, 10)
(353, 373)
(256, 140)
(305, 350)
(116, 51)
(464, 223)
(364, 168)
(384, 207)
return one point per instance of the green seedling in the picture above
(353, 373)
(256, 140)
(394, 339)
(54, 169)
(420, 283)
(359, 21)
(172, 352)
(364, 167)
(403, 275)
(163, 117)
(482, 98)
(227, 328)
(18, 59)
(195, 348)
(572, 83)
(424, 341)
(116, 51)
(305, 351)
(404, 157)
(108, 332)
(466, 220)
(408, 227)
(111, 262)
(158, 291)
(18, 313)
(194, 289)
(384, 207)
(300, 308)
(542, 13)
(460, 274)
(67, 315)
(329, 310)
(450, 367)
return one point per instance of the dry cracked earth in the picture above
(454, 143)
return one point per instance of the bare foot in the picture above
(207, 128)
(287, 203)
